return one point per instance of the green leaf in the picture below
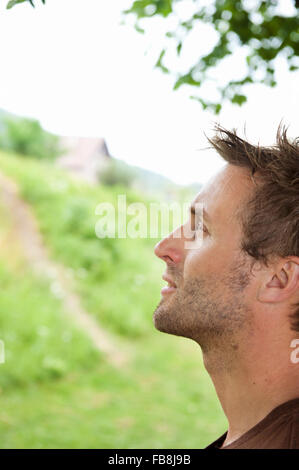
(159, 63)
(214, 107)
(239, 99)
(186, 80)
(179, 47)
(139, 7)
(204, 104)
(217, 108)
(12, 3)
(138, 29)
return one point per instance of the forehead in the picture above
(225, 193)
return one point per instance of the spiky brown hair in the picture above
(270, 221)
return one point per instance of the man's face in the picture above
(213, 289)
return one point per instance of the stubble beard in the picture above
(211, 311)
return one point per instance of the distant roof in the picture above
(83, 155)
(79, 147)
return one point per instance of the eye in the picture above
(200, 226)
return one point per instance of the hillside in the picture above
(56, 389)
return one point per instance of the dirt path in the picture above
(26, 232)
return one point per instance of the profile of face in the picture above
(210, 285)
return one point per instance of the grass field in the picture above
(56, 390)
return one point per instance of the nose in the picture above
(169, 249)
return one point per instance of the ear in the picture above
(282, 282)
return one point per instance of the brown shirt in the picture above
(278, 430)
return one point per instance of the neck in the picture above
(252, 379)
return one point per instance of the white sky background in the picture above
(71, 65)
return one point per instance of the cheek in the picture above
(209, 259)
(199, 262)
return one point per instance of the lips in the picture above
(171, 286)
(170, 281)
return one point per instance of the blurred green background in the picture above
(57, 389)
(84, 366)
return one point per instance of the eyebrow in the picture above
(205, 214)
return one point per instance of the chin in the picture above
(165, 321)
(162, 320)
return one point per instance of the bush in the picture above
(27, 137)
(117, 172)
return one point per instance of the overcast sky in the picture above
(73, 66)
